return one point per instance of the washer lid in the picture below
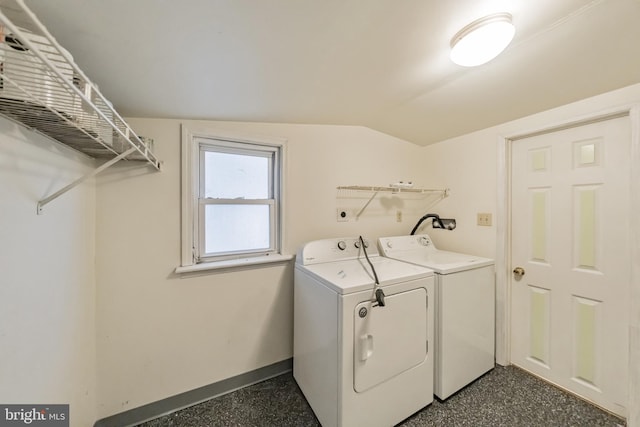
(443, 262)
(420, 250)
(355, 275)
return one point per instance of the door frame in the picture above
(503, 244)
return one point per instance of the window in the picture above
(232, 200)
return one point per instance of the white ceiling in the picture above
(377, 63)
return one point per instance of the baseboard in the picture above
(189, 398)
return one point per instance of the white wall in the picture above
(159, 334)
(468, 165)
(47, 285)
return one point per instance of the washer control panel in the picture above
(397, 244)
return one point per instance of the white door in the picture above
(570, 236)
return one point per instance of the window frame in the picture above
(271, 153)
(194, 145)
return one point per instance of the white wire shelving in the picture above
(43, 89)
(369, 193)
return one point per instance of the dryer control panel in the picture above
(330, 250)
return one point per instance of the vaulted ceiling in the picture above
(378, 63)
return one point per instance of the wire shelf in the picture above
(369, 193)
(43, 89)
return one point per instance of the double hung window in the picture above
(234, 206)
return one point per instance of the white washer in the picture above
(465, 309)
(356, 362)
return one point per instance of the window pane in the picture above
(230, 228)
(231, 176)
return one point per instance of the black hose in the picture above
(435, 217)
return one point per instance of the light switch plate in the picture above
(484, 219)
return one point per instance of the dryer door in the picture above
(389, 340)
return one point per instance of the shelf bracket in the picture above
(80, 180)
(366, 205)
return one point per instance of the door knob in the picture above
(518, 271)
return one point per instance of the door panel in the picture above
(570, 203)
(389, 340)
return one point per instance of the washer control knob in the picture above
(424, 241)
(389, 244)
(342, 245)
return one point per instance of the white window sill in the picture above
(234, 263)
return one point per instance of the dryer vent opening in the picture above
(437, 222)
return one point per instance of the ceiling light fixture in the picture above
(482, 40)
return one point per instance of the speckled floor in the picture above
(503, 397)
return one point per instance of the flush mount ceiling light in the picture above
(482, 40)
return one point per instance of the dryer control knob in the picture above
(357, 244)
(342, 245)
(389, 244)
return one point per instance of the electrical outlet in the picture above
(398, 216)
(342, 215)
(484, 219)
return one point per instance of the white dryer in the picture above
(358, 362)
(465, 309)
